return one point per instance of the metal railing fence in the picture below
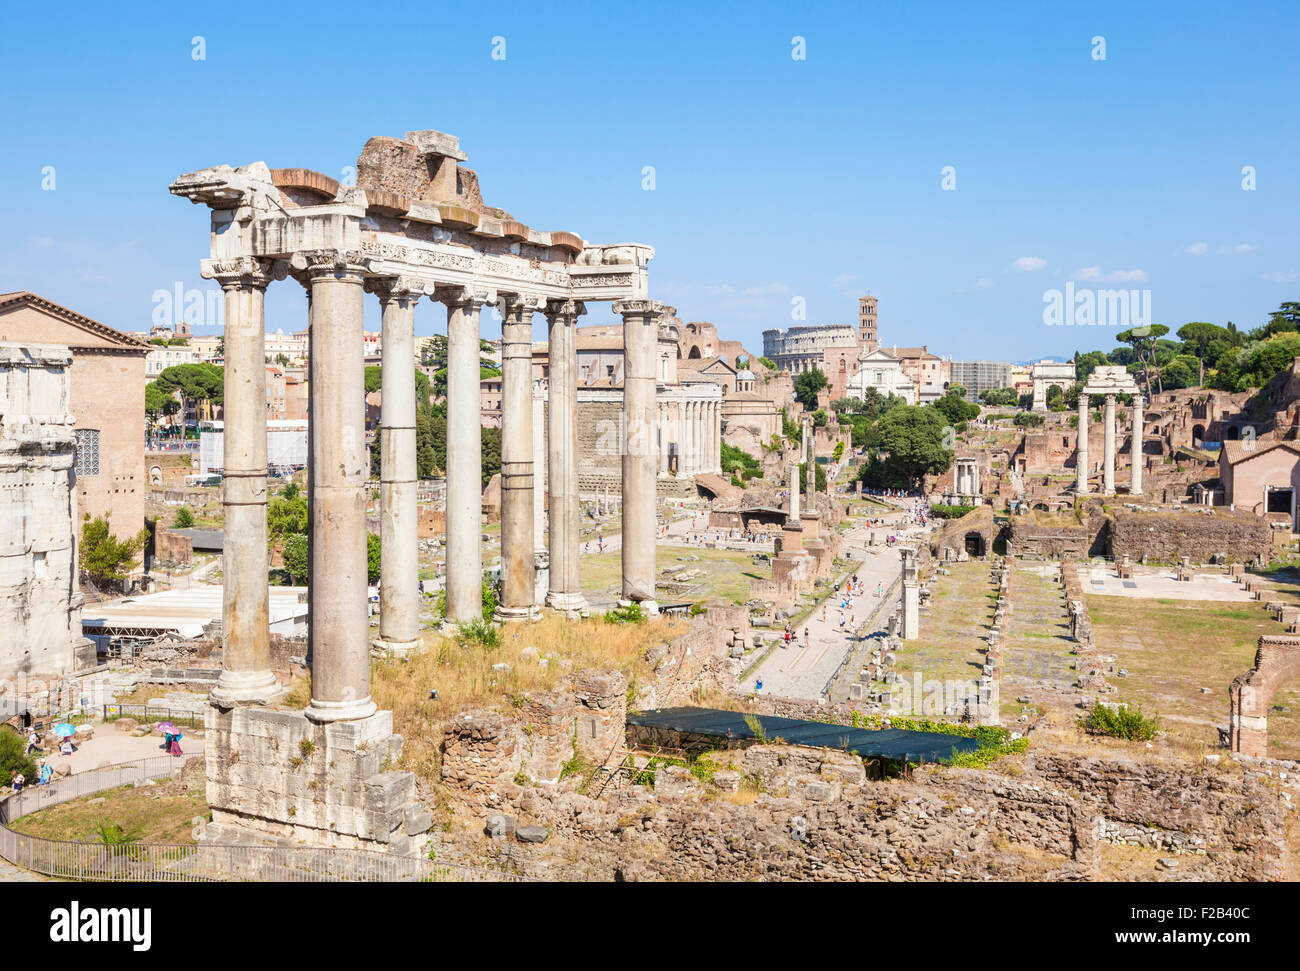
(200, 862)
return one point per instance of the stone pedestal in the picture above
(283, 777)
(811, 524)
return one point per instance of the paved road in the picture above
(802, 671)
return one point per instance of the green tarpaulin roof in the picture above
(886, 743)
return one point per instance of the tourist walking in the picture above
(33, 742)
(174, 744)
(17, 780)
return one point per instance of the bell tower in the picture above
(867, 323)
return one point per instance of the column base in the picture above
(236, 688)
(339, 711)
(394, 648)
(568, 602)
(649, 607)
(515, 614)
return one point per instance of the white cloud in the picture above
(1239, 248)
(1028, 264)
(1280, 276)
(1197, 249)
(1094, 274)
(767, 290)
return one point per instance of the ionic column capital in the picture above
(399, 288)
(318, 263)
(516, 308)
(643, 308)
(564, 309)
(243, 272)
(468, 298)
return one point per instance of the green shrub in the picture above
(480, 632)
(13, 755)
(630, 614)
(1120, 721)
(184, 518)
(940, 511)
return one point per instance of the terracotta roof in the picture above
(24, 297)
(1235, 452)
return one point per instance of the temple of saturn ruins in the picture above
(413, 226)
(1108, 381)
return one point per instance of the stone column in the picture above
(337, 597)
(1108, 449)
(562, 455)
(911, 596)
(399, 559)
(464, 455)
(517, 543)
(541, 555)
(794, 491)
(1081, 452)
(640, 340)
(246, 676)
(1136, 450)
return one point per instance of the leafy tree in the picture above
(184, 518)
(490, 444)
(1283, 320)
(819, 418)
(104, 557)
(912, 445)
(297, 557)
(374, 378)
(1143, 341)
(806, 386)
(14, 757)
(737, 462)
(999, 397)
(286, 517)
(1199, 337)
(803, 477)
(290, 490)
(768, 363)
(1085, 364)
(372, 558)
(1055, 398)
(954, 406)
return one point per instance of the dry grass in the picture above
(461, 672)
(1172, 649)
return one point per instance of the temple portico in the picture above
(414, 226)
(1108, 382)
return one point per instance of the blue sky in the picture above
(775, 178)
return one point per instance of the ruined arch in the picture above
(1198, 434)
(695, 353)
(1277, 661)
